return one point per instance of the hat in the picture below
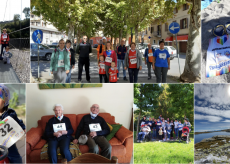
(218, 30)
(4, 94)
(104, 38)
(82, 139)
(227, 27)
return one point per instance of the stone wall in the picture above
(21, 64)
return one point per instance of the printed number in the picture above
(7, 130)
(59, 126)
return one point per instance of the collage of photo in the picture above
(170, 60)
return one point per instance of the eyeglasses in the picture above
(84, 38)
(95, 107)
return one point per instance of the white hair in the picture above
(58, 105)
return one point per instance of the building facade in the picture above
(154, 33)
(50, 33)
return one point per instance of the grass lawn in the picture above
(164, 152)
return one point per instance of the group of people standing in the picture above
(161, 129)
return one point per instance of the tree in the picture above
(16, 18)
(26, 11)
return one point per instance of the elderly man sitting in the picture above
(144, 131)
(96, 129)
(58, 134)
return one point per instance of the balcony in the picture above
(157, 34)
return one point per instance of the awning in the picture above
(181, 38)
(169, 39)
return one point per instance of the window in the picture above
(32, 16)
(154, 41)
(175, 11)
(152, 30)
(148, 28)
(146, 31)
(184, 23)
(159, 29)
(185, 7)
(166, 27)
(32, 23)
(51, 34)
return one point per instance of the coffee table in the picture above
(93, 158)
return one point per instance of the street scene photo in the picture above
(212, 117)
(163, 123)
(115, 41)
(14, 41)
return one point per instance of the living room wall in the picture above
(116, 99)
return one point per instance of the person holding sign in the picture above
(5, 128)
(96, 129)
(149, 59)
(110, 56)
(133, 61)
(4, 41)
(58, 134)
(60, 63)
(161, 63)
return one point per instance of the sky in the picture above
(13, 7)
(212, 107)
(205, 4)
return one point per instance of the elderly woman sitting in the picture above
(58, 134)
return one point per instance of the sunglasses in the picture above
(220, 30)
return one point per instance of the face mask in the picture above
(93, 115)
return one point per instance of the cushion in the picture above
(115, 141)
(116, 127)
(74, 150)
(110, 127)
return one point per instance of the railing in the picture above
(19, 43)
(157, 33)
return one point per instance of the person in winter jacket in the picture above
(4, 41)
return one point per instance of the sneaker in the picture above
(5, 62)
(89, 81)
(79, 81)
(141, 141)
(138, 140)
(149, 78)
(125, 79)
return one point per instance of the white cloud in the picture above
(209, 118)
(226, 121)
(211, 111)
(204, 122)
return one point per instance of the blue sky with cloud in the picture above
(212, 107)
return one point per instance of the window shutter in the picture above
(187, 22)
(181, 22)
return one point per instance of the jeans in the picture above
(133, 73)
(14, 156)
(180, 132)
(64, 149)
(3, 45)
(169, 132)
(68, 77)
(141, 135)
(119, 62)
(154, 134)
(83, 61)
(176, 132)
(149, 64)
(103, 76)
(161, 74)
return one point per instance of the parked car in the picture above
(95, 46)
(55, 43)
(52, 46)
(45, 52)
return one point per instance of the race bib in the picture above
(4, 36)
(10, 132)
(95, 127)
(58, 127)
(61, 63)
(133, 61)
(158, 123)
(162, 55)
(150, 54)
(102, 66)
(108, 59)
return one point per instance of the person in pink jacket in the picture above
(110, 56)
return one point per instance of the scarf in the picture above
(59, 117)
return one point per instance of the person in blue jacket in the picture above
(161, 63)
(158, 126)
(121, 51)
(13, 156)
(149, 59)
(58, 138)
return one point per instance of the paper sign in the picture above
(133, 61)
(61, 63)
(102, 66)
(58, 127)
(108, 59)
(10, 132)
(95, 127)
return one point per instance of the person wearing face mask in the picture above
(84, 49)
(90, 125)
(5, 111)
(133, 61)
(58, 136)
(60, 63)
(72, 60)
(4, 41)
(101, 48)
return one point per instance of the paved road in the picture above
(173, 73)
(7, 74)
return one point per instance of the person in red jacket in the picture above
(113, 73)
(110, 56)
(4, 40)
(101, 65)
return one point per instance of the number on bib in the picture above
(150, 54)
(61, 63)
(133, 61)
(108, 59)
(162, 55)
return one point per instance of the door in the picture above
(183, 47)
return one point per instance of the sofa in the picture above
(122, 142)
